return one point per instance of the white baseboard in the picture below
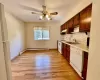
(41, 49)
(37, 48)
(33, 49)
(22, 51)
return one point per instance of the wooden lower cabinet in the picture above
(85, 65)
(66, 51)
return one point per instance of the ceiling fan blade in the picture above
(36, 13)
(30, 8)
(54, 13)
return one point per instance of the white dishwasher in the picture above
(76, 59)
(60, 47)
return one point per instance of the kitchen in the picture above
(74, 43)
(73, 39)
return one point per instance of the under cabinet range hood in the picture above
(63, 31)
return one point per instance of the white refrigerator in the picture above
(5, 63)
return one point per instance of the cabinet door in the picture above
(89, 16)
(68, 53)
(85, 19)
(60, 28)
(65, 51)
(66, 25)
(62, 48)
(83, 22)
(76, 20)
(70, 26)
(85, 64)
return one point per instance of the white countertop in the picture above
(79, 46)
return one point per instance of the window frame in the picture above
(42, 28)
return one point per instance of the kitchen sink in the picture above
(73, 42)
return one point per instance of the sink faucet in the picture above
(74, 40)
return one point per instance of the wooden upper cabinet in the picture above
(60, 28)
(70, 26)
(70, 23)
(89, 15)
(76, 20)
(66, 25)
(63, 27)
(83, 23)
(85, 19)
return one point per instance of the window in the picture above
(41, 33)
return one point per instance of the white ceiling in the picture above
(61, 6)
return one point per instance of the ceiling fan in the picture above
(44, 14)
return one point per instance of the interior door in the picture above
(3, 75)
(4, 48)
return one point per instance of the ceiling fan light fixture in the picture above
(47, 16)
(41, 17)
(44, 14)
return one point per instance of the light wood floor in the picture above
(42, 65)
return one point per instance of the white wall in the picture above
(54, 35)
(15, 34)
(94, 52)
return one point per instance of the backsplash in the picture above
(80, 37)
